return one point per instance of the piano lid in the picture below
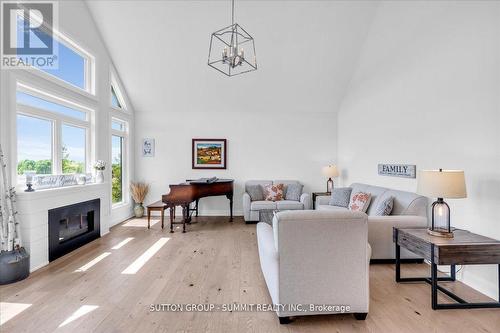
(209, 180)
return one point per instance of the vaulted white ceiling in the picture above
(306, 53)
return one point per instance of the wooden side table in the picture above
(319, 194)
(158, 206)
(465, 248)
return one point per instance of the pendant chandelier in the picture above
(232, 49)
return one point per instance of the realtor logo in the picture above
(27, 35)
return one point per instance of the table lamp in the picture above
(330, 171)
(441, 184)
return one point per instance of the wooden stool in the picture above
(157, 206)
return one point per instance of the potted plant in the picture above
(99, 167)
(139, 191)
(14, 260)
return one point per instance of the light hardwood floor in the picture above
(215, 262)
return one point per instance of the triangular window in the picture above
(115, 100)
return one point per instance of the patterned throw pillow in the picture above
(340, 197)
(293, 192)
(274, 192)
(385, 207)
(255, 192)
(360, 202)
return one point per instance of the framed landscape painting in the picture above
(209, 153)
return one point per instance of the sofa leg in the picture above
(360, 316)
(284, 320)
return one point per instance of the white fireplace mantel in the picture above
(33, 210)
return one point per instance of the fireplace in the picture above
(73, 226)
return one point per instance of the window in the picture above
(114, 99)
(117, 168)
(74, 64)
(117, 101)
(52, 134)
(73, 149)
(119, 136)
(34, 145)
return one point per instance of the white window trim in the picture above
(57, 120)
(114, 82)
(124, 134)
(89, 66)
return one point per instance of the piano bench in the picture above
(157, 206)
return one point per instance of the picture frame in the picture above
(148, 147)
(209, 153)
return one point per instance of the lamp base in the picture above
(440, 233)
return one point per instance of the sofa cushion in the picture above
(257, 182)
(255, 192)
(293, 192)
(328, 207)
(274, 192)
(384, 207)
(289, 205)
(340, 197)
(360, 202)
(262, 204)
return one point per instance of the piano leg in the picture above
(185, 216)
(230, 197)
(197, 201)
(172, 216)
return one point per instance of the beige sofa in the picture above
(251, 209)
(316, 257)
(410, 211)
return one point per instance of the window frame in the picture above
(124, 134)
(116, 86)
(89, 74)
(57, 121)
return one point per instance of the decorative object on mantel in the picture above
(397, 170)
(441, 184)
(330, 171)
(99, 166)
(29, 181)
(209, 153)
(53, 181)
(232, 49)
(139, 191)
(148, 147)
(14, 260)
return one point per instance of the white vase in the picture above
(99, 176)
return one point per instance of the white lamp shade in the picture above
(442, 184)
(330, 171)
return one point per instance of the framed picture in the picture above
(209, 153)
(148, 147)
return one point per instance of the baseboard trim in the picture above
(393, 261)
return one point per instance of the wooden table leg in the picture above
(149, 218)
(172, 214)
(162, 217)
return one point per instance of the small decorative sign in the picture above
(148, 147)
(397, 170)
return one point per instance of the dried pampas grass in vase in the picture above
(139, 190)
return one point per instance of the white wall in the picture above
(279, 121)
(427, 92)
(261, 145)
(76, 23)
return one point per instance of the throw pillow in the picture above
(385, 207)
(360, 202)
(255, 192)
(274, 192)
(293, 192)
(340, 197)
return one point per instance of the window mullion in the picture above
(58, 146)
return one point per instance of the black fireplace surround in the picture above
(73, 226)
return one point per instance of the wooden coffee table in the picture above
(466, 248)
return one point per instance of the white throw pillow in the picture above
(360, 202)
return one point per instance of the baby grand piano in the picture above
(192, 191)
